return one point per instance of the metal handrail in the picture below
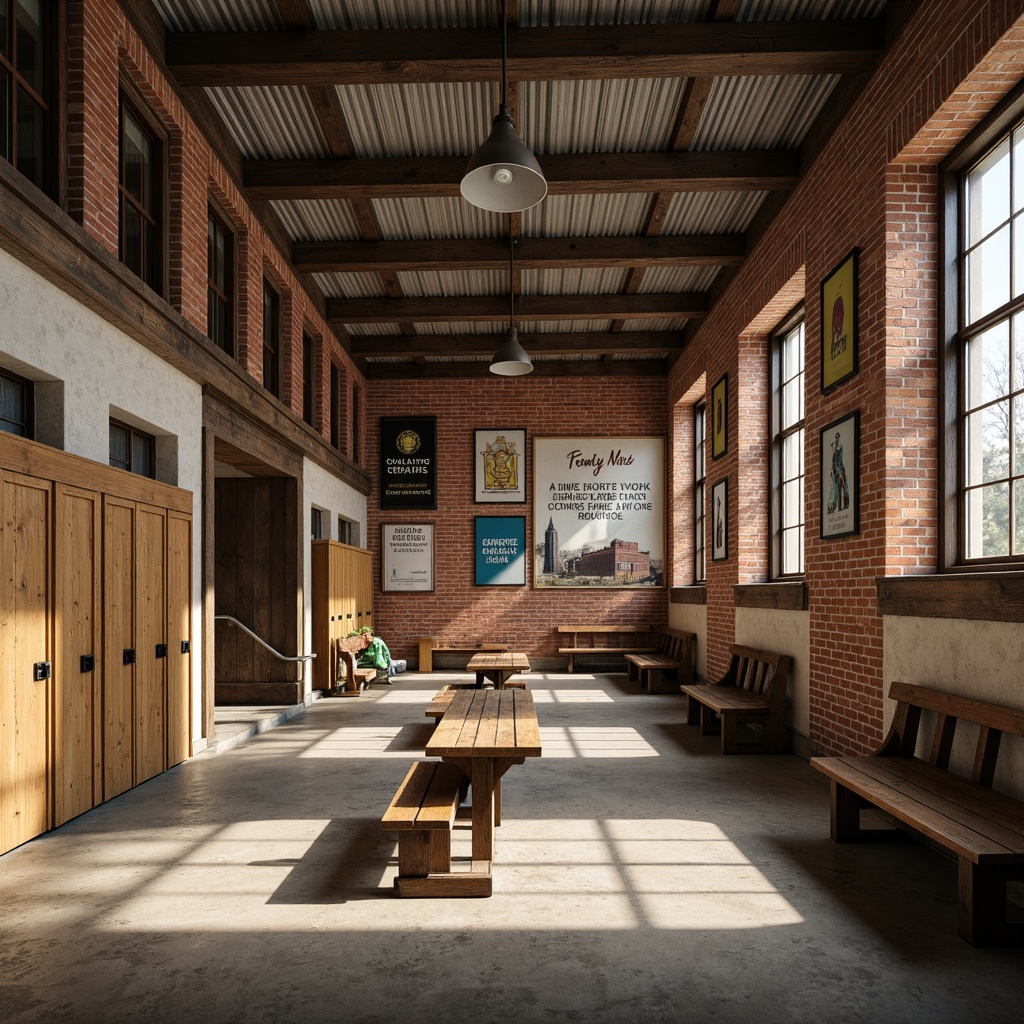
(277, 654)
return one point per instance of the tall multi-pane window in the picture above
(700, 412)
(26, 88)
(220, 284)
(787, 475)
(141, 187)
(354, 433)
(131, 449)
(16, 412)
(335, 405)
(271, 340)
(308, 376)
(990, 264)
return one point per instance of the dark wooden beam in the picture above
(633, 343)
(528, 307)
(531, 253)
(566, 173)
(550, 53)
(553, 368)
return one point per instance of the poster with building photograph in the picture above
(599, 511)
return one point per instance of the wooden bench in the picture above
(983, 829)
(422, 813)
(747, 705)
(617, 638)
(674, 654)
(429, 647)
(346, 651)
(440, 701)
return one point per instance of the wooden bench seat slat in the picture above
(427, 798)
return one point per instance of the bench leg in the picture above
(654, 680)
(692, 710)
(846, 805)
(729, 726)
(633, 673)
(983, 905)
(421, 851)
(709, 724)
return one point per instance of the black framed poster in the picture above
(408, 462)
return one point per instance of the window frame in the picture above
(216, 220)
(336, 380)
(309, 377)
(700, 479)
(272, 339)
(129, 103)
(778, 434)
(133, 434)
(28, 404)
(955, 333)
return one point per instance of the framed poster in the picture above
(500, 559)
(408, 462)
(499, 458)
(406, 557)
(598, 511)
(839, 324)
(840, 480)
(720, 417)
(720, 521)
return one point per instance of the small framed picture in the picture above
(720, 417)
(407, 557)
(839, 324)
(500, 558)
(499, 458)
(720, 521)
(840, 481)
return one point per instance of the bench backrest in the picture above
(950, 708)
(674, 643)
(761, 672)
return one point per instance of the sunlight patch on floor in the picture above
(587, 741)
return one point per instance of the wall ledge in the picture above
(790, 596)
(696, 594)
(987, 596)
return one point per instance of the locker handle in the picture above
(161, 650)
(128, 656)
(185, 647)
(41, 670)
(87, 663)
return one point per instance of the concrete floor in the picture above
(640, 877)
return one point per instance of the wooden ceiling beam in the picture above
(549, 53)
(541, 368)
(433, 309)
(551, 344)
(531, 253)
(566, 173)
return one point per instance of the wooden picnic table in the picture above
(497, 666)
(484, 733)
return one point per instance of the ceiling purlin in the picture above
(550, 53)
(541, 368)
(554, 344)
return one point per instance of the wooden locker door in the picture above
(179, 633)
(25, 639)
(76, 721)
(118, 637)
(150, 633)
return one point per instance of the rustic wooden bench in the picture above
(422, 813)
(429, 647)
(346, 651)
(674, 654)
(983, 829)
(747, 705)
(440, 701)
(616, 638)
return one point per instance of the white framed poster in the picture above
(599, 511)
(407, 557)
(499, 459)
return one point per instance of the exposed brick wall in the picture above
(458, 612)
(928, 94)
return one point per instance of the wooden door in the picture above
(150, 641)
(76, 672)
(25, 641)
(118, 639)
(179, 636)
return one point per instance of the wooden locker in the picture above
(179, 633)
(150, 641)
(77, 767)
(25, 641)
(118, 638)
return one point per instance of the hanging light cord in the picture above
(511, 282)
(504, 58)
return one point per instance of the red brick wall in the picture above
(872, 188)
(459, 612)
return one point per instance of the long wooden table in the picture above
(483, 733)
(497, 666)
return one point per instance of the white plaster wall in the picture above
(976, 659)
(325, 491)
(692, 618)
(788, 633)
(45, 333)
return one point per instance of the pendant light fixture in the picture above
(511, 360)
(503, 175)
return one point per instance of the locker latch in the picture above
(185, 647)
(87, 663)
(161, 650)
(129, 656)
(41, 670)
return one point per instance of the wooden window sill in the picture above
(790, 596)
(991, 596)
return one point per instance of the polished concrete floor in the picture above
(640, 877)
